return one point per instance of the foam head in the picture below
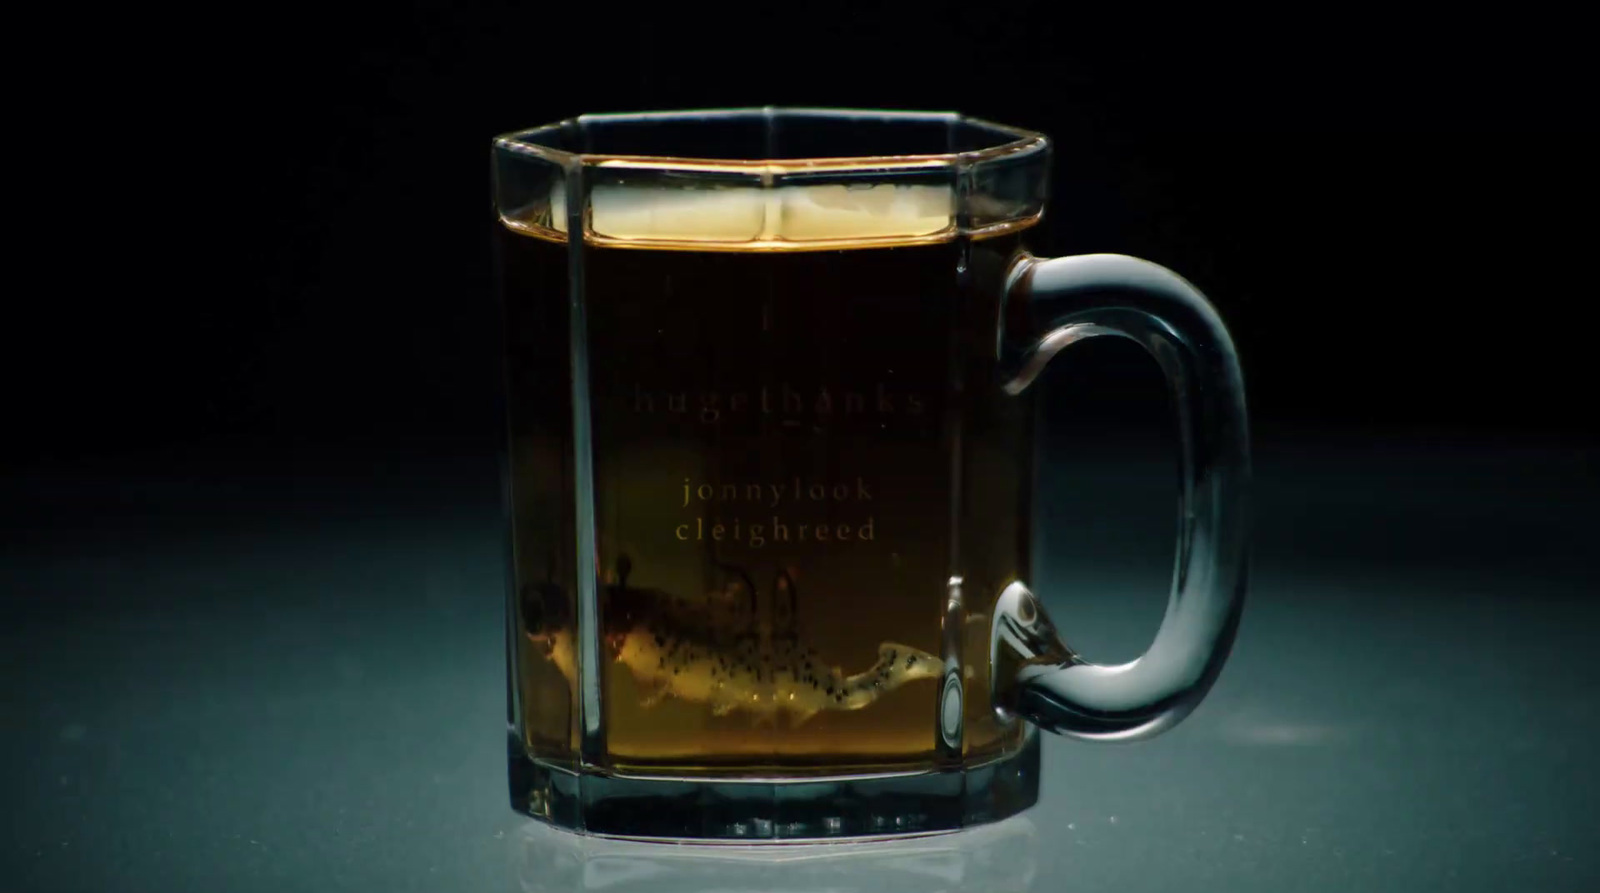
(820, 213)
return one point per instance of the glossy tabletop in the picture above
(284, 675)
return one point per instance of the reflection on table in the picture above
(998, 858)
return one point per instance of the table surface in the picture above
(244, 676)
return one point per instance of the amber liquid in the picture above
(828, 419)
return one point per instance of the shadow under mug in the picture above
(770, 474)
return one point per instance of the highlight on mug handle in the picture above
(1051, 304)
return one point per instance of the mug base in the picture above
(594, 801)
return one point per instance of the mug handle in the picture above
(1049, 305)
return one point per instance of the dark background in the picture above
(251, 553)
(275, 230)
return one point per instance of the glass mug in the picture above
(770, 474)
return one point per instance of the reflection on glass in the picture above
(997, 858)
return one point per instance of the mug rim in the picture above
(1010, 141)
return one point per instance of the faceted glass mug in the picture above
(770, 474)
